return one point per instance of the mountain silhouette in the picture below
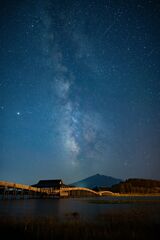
(97, 181)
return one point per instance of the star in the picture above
(80, 87)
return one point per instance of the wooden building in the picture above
(55, 184)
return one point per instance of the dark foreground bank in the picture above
(140, 223)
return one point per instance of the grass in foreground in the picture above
(143, 223)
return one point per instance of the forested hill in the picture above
(137, 186)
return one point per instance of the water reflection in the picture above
(62, 208)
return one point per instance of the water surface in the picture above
(61, 208)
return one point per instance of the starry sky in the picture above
(79, 89)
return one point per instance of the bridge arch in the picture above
(78, 192)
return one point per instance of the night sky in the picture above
(79, 89)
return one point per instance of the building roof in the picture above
(49, 183)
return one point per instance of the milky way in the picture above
(79, 89)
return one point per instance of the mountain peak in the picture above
(97, 180)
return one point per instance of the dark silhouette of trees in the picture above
(137, 186)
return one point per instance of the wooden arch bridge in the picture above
(14, 190)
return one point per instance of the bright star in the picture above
(18, 113)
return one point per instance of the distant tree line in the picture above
(137, 186)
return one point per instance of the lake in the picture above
(87, 208)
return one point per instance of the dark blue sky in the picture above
(79, 89)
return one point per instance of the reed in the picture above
(141, 223)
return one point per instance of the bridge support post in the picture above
(14, 193)
(21, 194)
(5, 193)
